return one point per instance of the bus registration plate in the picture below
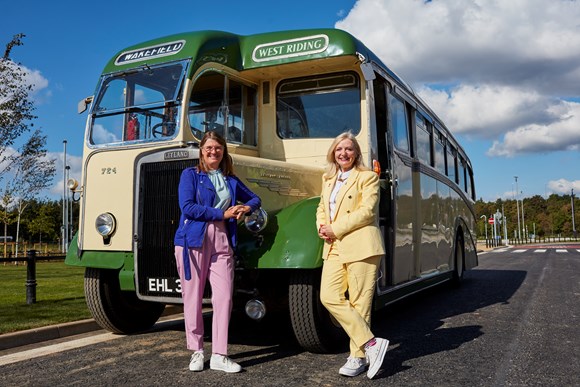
(164, 285)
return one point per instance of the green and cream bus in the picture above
(279, 99)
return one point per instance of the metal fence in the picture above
(31, 259)
(529, 241)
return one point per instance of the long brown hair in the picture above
(226, 165)
(332, 167)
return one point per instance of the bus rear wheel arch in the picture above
(115, 310)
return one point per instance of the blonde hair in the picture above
(332, 167)
(227, 164)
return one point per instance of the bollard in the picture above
(31, 277)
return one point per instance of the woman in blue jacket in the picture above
(208, 197)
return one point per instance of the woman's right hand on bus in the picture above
(231, 212)
(237, 211)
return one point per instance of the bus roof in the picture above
(242, 52)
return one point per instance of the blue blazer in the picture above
(196, 199)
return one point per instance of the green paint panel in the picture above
(98, 259)
(240, 52)
(290, 240)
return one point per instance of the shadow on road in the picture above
(419, 325)
(415, 326)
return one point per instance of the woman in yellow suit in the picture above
(347, 221)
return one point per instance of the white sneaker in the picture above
(196, 363)
(354, 366)
(375, 356)
(223, 363)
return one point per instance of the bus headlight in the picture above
(105, 224)
(72, 184)
(256, 221)
(255, 309)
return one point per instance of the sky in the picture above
(503, 75)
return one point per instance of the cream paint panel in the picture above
(110, 191)
(309, 151)
(279, 184)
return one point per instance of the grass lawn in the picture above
(59, 296)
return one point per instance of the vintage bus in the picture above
(280, 99)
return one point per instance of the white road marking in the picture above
(540, 250)
(54, 348)
(520, 250)
(561, 250)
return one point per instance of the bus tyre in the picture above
(315, 330)
(459, 260)
(116, 310)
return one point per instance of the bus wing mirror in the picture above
(367, 70)
(84, 103)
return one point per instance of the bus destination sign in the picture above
(157, 51)
(290, 48)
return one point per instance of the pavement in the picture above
(58, 331)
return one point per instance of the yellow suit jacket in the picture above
(355, 221)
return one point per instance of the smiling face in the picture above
(345, 154)
(213, 153)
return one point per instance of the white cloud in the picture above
(40, 91)
(510, 64)
(488, 111)
(563, 134)
(563, 186)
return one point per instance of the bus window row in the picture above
(432, 147)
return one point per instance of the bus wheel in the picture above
(315, 330)
(459, 260)
(116, 310)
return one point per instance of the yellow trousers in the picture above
(353, 313)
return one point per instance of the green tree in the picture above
(16, 108)
(7, 217)
(32, 173)
(43, 223)
(28, 167)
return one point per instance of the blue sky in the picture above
(503, 75)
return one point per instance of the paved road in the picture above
(513, 322)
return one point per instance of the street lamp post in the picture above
(504, 225)
(524, 231)
(518, 208)
(485, 225)
(64, 203)
(573, 222)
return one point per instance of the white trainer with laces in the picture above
(375, 356)
(223, 363)
(354, 366)
(196, 362)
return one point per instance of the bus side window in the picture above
(469, 183)
(225, 106)
(461, 174)
(398, 121)
(439, 148)
(451, 164)
(423, 134)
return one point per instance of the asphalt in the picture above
(58, 331)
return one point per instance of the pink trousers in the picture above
(213, 262)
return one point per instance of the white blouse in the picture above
(340, 180)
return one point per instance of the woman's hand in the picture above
(237, 211)
(325, 232)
